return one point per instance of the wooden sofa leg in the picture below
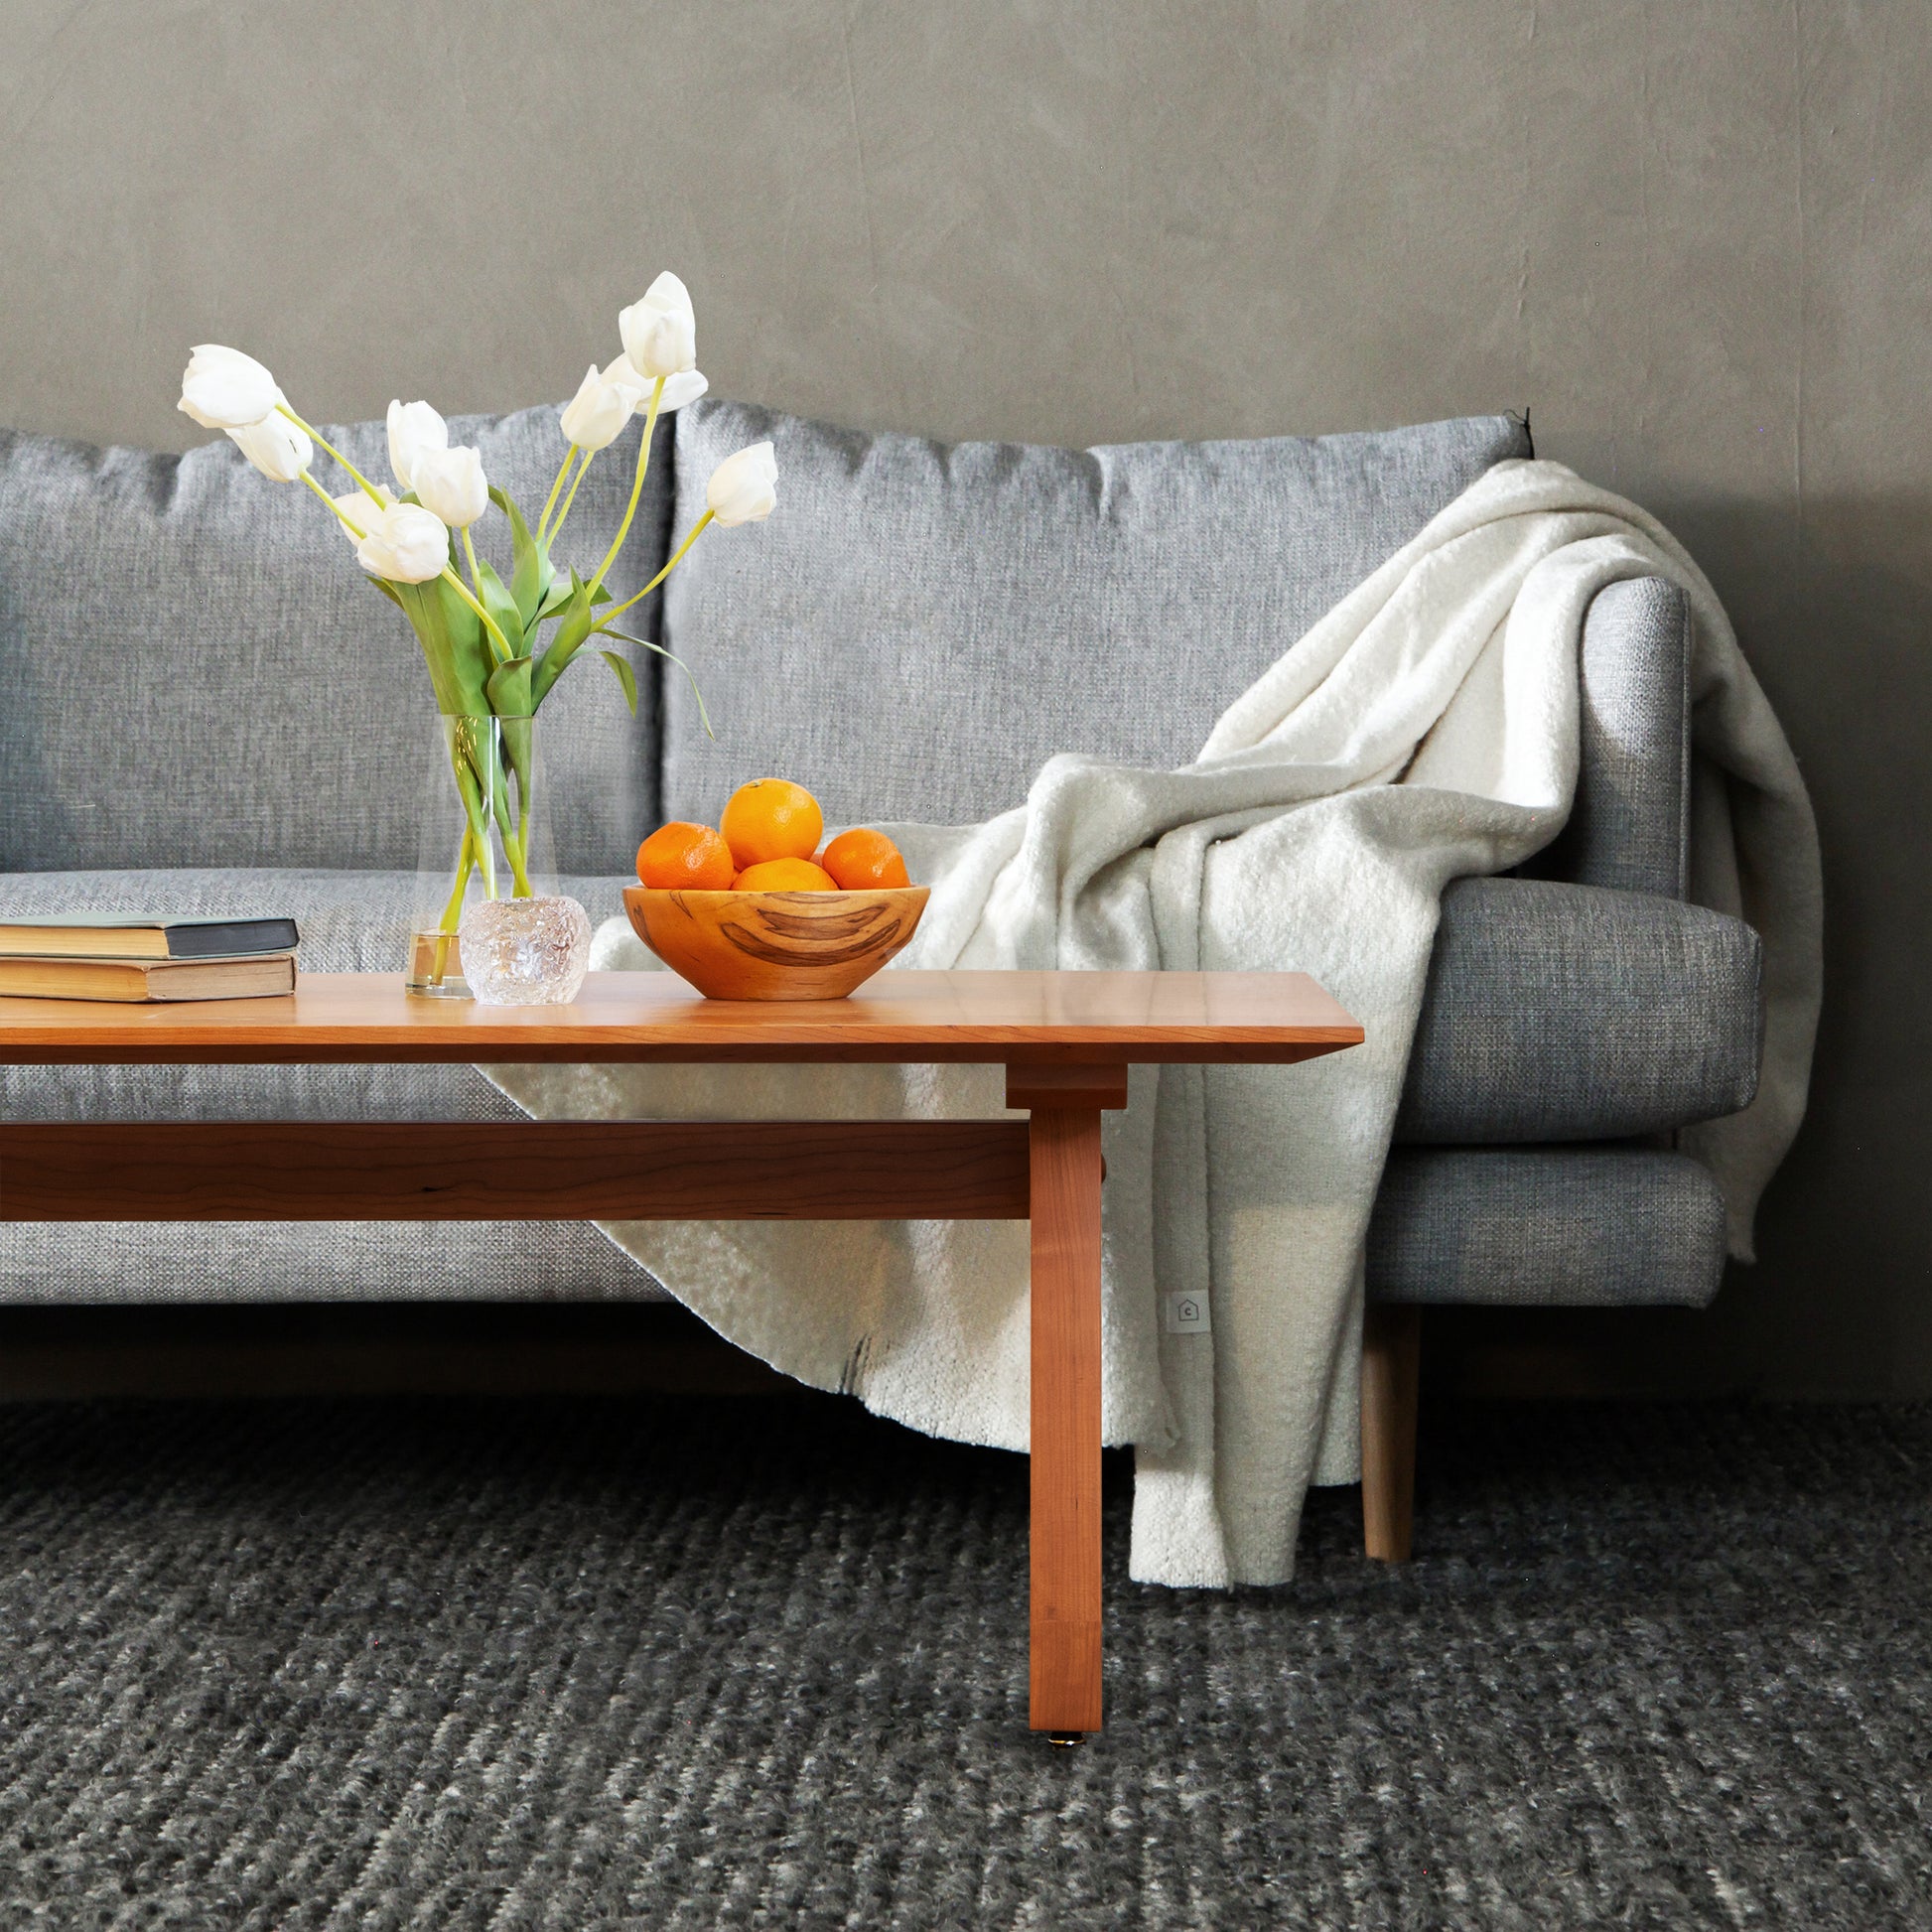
(1391, 1369)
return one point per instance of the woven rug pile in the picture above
(761, 1662)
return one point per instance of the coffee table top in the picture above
(1018, 1017)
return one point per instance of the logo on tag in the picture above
(1185, 1314)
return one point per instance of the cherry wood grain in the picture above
(1097, 1086)
(1065, 1561)
(628, 1170)
(1036, 1017)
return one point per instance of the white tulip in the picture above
(361, 511)
(221, 388)
(660, 332)
(592, 417)
(408, 545)
(413, 428)
(452, 484)
(276, 447)
(743, 488)
(686, 386)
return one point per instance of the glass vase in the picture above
(489, 923)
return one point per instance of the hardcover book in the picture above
(254, 976)
(134, 935)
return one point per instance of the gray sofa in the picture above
(207, 708)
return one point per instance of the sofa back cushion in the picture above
(919, 626)
(198, 674)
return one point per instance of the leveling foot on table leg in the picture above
(1065, 1739)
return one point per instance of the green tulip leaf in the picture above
(704, 717)
(518, 734)
(532, 576)
(626, 677)
(578, 617)
(562, 591)
(451, 642)
(510, 688)
(555, 599)
(501, 606)
(469, 761)
(468, 641)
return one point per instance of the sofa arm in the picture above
(1568, 1012)
(1630, 825)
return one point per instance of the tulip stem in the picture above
(637, 487)
(470, 551)
(308, 428)
(618, 609)
(557, 527)
(465, 863)
(347, 521)
(550, 501)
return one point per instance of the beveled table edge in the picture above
(686, 1029)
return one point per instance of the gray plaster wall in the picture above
(1693, 236)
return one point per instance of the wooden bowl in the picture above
(775, 945)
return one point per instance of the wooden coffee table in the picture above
(1066, 1040)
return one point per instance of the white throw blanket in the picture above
(1424, 729)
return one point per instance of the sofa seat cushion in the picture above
(1567, 1226)
(922, 624)
(350, 922)
(198, 672)
(1576, 1012)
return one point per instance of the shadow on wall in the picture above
(1834, 613)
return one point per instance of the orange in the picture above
(783, 875)
(692, 857)
(772, 818)
(861, 861)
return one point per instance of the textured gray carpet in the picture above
(761, 1663)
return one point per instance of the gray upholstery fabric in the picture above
(351, 922)
(921, 626)
(1573, 1013)
(1630, 824)
(114, 1262)
(198, 674)
(1607, 1227)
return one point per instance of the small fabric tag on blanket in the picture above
(1185, 1314)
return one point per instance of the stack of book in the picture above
(133, 958)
